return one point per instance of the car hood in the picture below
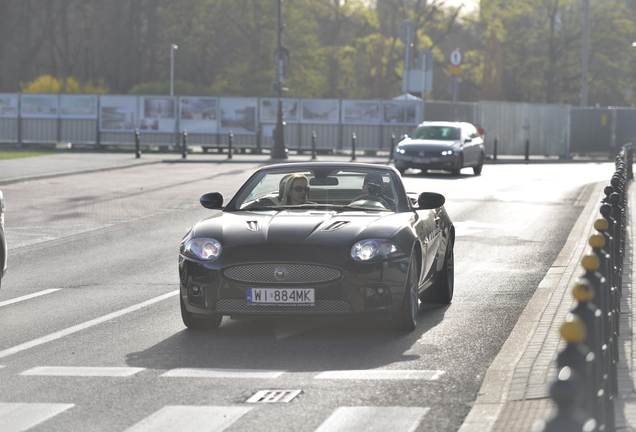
(429, 145)
(310, 227)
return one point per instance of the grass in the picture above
(4, 154)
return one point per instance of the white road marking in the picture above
(19, 417)
(374, 419)
(29, 296)
(190, 418)
(60, 334)
(376, 374)
(221, 373)
(79, 371)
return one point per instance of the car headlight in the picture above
(206, 249)
(400, 150)
(447, 153)
(366, 250)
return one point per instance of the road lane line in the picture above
(221, 373)
(80, 371)
(375, 374)
(18, 417)
(190, 418)
(374, 419)
(29, 296)
(76, 328)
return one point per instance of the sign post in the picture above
(455, 69)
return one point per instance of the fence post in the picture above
(353, 146)
(184, 144)
(314, 137)
(230, 144)
(392, 147)
(494, 156)
(137, 144)
(527, 148)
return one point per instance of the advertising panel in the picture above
(325, 111)
(361, 112)
(8, 105)
(78, 106)
(269, 110)
(238, 115)
(402, 113)
(117, 113)
(157, 114)
(39, 105)
(198, 114)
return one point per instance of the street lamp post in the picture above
(279, 150)
(586, 32)
(172, 48)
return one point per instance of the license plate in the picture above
(280, 296)
(422, 160)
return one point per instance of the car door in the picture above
(471, 145)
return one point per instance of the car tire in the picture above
(444, 286)
(406, 318)
(480, 165)
(194, 323)
(457, 168)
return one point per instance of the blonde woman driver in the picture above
(296, 190)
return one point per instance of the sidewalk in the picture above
(514, 394)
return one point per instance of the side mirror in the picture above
(212, 200)
(467, 140)
(430, 200)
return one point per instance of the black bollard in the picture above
(569, 417)
(527, 148)
(494, 156)
(184, 144)
(230, 144)
(353, 146)
(137, 144)
(392, 147)
(314, 137)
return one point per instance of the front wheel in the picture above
(443, 288)
(458, 167)
(194, 323)
(406, 317)
(480, 165)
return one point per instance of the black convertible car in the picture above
(319, 239)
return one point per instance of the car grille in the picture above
(287, 273)
(322, 307)
(427, 153)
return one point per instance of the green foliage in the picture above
(49, 84)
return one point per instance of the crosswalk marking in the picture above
(19, 417)
(77, 371)
(222, 373)
(29, 296)
(74, 329)
(190, 418)
(373, 419)
(376, 374)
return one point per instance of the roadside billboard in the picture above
(39, 106)
(268, 111)
(238, 115)
(117, 113)
(401, 112)
(8, 105)
(198, 114)
(157, 114)
(320, 111)
(361, 112)
(78, 106)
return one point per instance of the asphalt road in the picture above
(92, 338)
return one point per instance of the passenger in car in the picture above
(296, 190)
(374, 185)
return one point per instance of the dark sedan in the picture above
(438, 145)
(318, 239)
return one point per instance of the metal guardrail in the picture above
(587, 367)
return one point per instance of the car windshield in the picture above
(329, 189)
(443, 133)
